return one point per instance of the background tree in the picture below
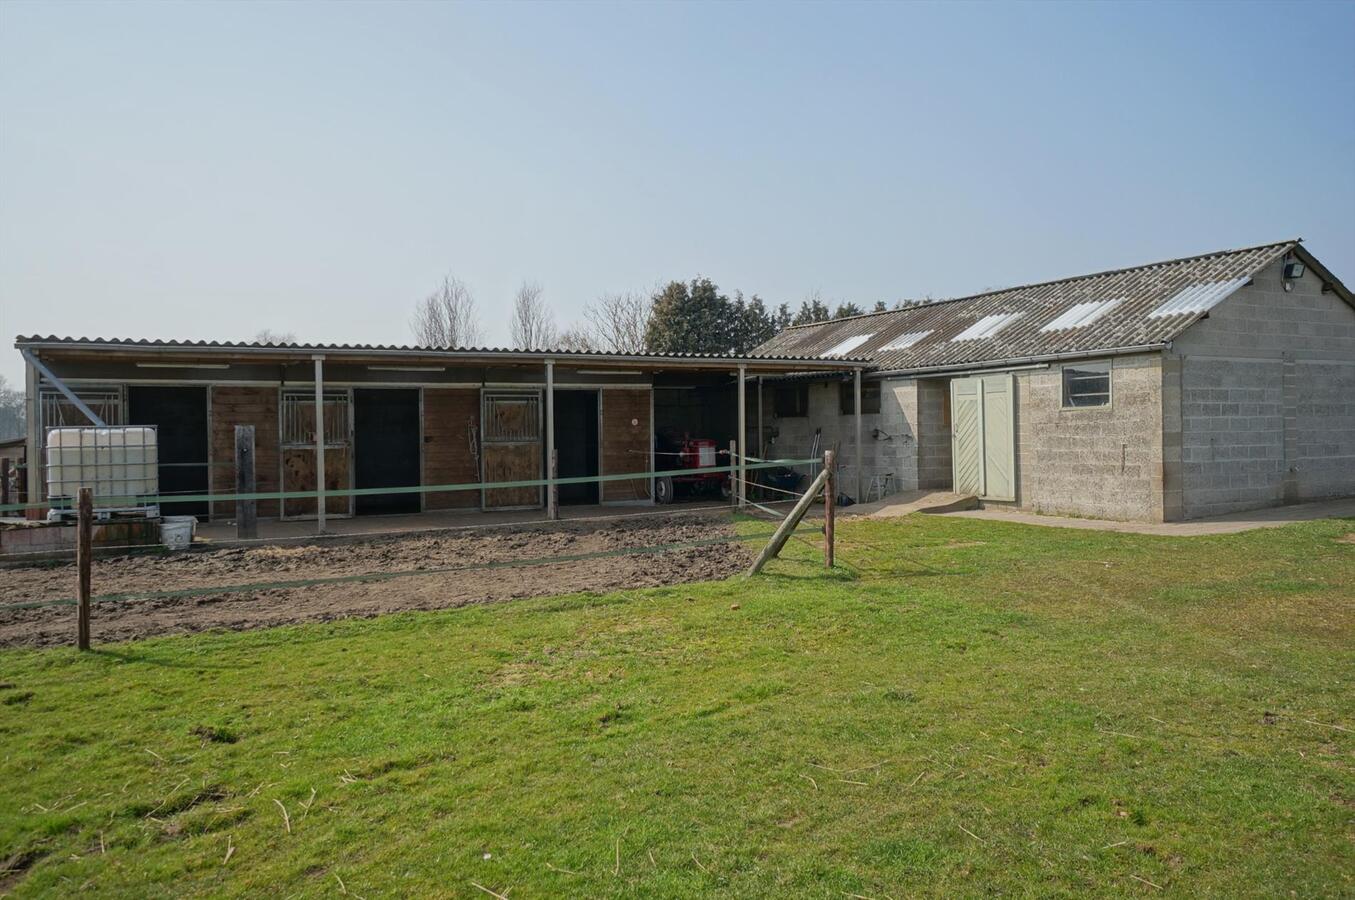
(533, 324)
(847, 309)
(13, 411)
(447, 317)
(880, 306)
(269, 336)
(752, 324)
(690, 318)
(618, 323)
(812, 309)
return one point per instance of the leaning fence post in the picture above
(783, 532)
(246, 511)
(84, 540)
(829, 506)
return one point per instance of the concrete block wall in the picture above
(896, 450)
(1102, 461)
(1266, 387)
(933, 435)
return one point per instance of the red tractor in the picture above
(689, 453)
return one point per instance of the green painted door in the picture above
(983, 448)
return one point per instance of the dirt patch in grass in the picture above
(263, 589)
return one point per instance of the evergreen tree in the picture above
(880, 306)
(811, 311)
(847, 309)
(753, 325)
(690, 318)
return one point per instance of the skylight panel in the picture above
(848, 345)
(1198, 298)
(904, 341)
(1082, 314)
(986, 327)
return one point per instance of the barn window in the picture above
(792, 401)
(870, 397)
(1086, 384)
(298, 418)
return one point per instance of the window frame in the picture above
(801, 393)
(846, 399)
(1099, 367)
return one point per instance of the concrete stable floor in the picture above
(902, 504)
(223, 532)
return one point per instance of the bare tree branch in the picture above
(616, 323)
(269, 336)
(533, 325)
(447, 317)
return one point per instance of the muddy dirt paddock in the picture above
(253, 587)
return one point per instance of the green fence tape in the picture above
(413, 489)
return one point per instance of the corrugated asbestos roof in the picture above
(1153, 305)
(133, 344)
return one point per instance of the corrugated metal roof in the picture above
(1154, 304)
(506, 353)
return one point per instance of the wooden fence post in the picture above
(553, 497)
(6, 466)
(246, 511)
(84, 541)
(733, 473)
(829, 506)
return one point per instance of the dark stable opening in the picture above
(180, 417)
(385, 448)
(576, 443)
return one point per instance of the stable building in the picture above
(1187, 388)
(393, 418)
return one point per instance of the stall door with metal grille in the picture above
(511, 447)
(983, 451)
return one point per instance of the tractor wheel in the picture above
(663, 490)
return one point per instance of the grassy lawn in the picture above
(972, 708)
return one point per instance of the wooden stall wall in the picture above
(298, 474)
(451, 429)
(231, 406)
(626, 442)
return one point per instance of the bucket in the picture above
(176, 532)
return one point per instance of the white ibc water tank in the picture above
(116, 463)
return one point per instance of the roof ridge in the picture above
(1292, 242)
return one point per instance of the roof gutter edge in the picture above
(1024, 360)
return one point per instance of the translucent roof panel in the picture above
(1197, 298)
(1082, 314)
(986, 327)
(847, 346)
(904, 341)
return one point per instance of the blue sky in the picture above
(208, 170)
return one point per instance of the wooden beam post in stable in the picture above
(319, 443)
(246, 511)
(829, 506)
(788, 524)
(84, 549)
(742, 493)
(552, 495)
(5, 475)
(860, 469)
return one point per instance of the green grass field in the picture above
(971, 708)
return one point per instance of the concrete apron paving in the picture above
(1271, 517)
